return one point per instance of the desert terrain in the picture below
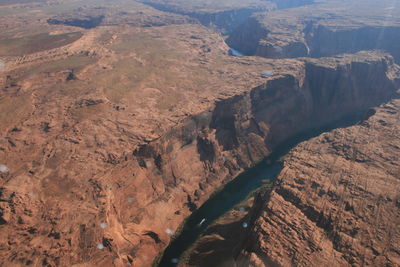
(120, 119)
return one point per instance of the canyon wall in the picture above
(227, 16)
(325, 41)
(224, 19)
(289, 35)
(247, 36)
(254, 37)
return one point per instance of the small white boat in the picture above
(201, 222)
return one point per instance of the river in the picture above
(238, 190)
(235, 53)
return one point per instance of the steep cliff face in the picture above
(247, 36)
(315, 32)
(228, 20)
(224, 16)
(271, 39)
(253, 38)
(328, 91)
(325, 41)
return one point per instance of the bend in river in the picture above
(239, 189)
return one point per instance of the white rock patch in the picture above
(4, 169)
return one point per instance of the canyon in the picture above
(325, 29)
(332, 203)
(120, 119)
